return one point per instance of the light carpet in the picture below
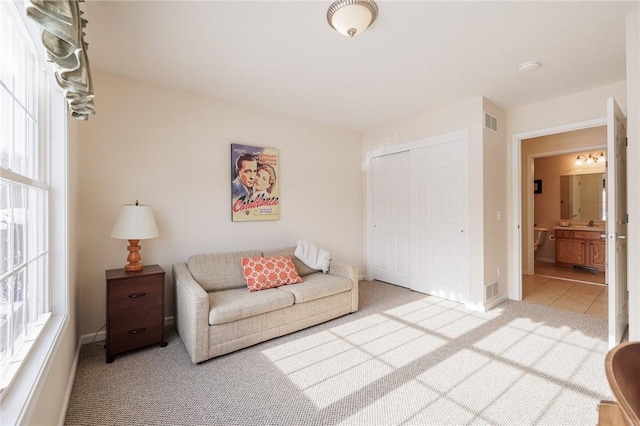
(404, 358)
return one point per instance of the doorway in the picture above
(522, 192)
(556, 162)
(617, 217)
(571, 192)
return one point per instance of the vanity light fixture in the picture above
(351, 17)
(590, 160)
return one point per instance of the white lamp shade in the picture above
(135, 222)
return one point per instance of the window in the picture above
(24, 193)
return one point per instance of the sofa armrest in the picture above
(342, 269)
(192, 313)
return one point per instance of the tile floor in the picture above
(567, 289)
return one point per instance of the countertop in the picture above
(580, 228)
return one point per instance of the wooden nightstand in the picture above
(135, 309)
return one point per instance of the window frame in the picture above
(27, 185)
(18, 400)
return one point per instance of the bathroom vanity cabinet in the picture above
(581, 248)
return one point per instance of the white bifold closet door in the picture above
(421, 217)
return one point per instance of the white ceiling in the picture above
(418, 56)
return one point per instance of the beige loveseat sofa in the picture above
(216, 314)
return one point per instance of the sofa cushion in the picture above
(316, 286)
(303, 270)
(262, 273)
(219, 271)
(235, 304)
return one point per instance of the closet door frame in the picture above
(386, 149)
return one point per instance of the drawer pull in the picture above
(137, 330)
(136, 295)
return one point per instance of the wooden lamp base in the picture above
(134, 257)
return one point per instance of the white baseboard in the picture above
(495, 302)
(72, 379)
(93, 337)
(488, 305)
(101, 334)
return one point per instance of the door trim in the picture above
(515, 246)
(386, 149)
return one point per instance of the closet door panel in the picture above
(439, 220)
(391, 218)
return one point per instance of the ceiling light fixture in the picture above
(351, 17)
(529, 66)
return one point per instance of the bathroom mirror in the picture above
(583, 197)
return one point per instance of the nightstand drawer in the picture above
(135, 309)
(135, 330)
(129, 297)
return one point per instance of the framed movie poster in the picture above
(254, 183)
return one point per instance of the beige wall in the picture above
(482, 195)
(574, 108)
(171, 149)
(495, 200)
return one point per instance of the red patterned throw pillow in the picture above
(262, 273)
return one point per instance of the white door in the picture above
(616, 269)
(439, 231)
(391, 224)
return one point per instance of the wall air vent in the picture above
(490, 291)
(490, 122)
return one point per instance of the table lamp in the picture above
(134, 223)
